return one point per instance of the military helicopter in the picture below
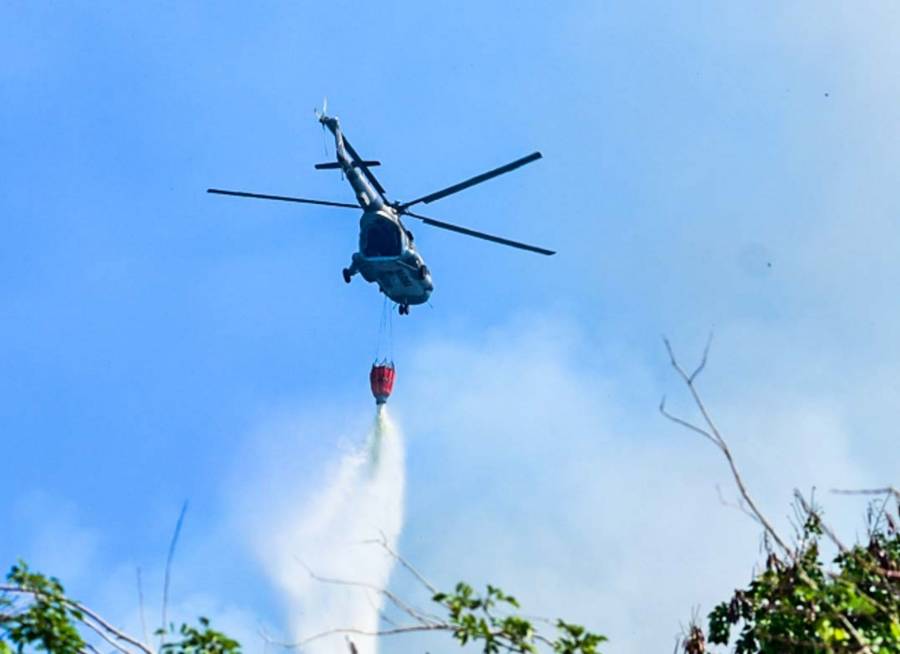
(386, 253)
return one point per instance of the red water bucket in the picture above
(381, 378)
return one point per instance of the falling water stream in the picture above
(332, 534)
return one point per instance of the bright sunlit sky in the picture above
(708, 167)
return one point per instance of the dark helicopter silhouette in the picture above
(386, 252)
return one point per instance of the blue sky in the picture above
(706, 167)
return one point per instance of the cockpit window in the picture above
(382, 240)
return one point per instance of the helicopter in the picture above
(387, 255)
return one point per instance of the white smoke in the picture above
(326, 534)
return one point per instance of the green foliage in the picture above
(487, 619)
(575, 638)
(36, 615)
(201, 640)
(46, 621)
(801, 607)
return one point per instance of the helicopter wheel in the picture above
(403, 310)
(346, 273)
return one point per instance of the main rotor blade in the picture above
(476, 234)
(478, 179)
(283, 198)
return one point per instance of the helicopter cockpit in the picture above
(382, 239)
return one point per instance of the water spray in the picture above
(334, 534)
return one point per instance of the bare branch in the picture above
(739, 505)
(810, 512)
(881, 515)
(406, 564)
(415, 614)
(140, 589)
(381, 614)
(106, 626)
(888, 490)
(702, 365)
(712, 433)
(422, 621)
(687, 425)
(396, 631)
(169, 557)
(408, 629)
(109, 641)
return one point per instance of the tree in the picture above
(37, 615)
(797, 604)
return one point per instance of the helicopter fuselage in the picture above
(387, 257)
(386, 254)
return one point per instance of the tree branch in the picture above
(712, 434)
(394, 631)
(406, 564)
(172, 544)
(887, 490)
(739, 505)
(140, 589)
(810, 512)
(415, 614)
(100, 625)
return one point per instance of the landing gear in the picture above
(403, 309)
(347, 275)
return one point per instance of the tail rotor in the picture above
(323, 114)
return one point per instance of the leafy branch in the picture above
(491, 619)
(36, 613)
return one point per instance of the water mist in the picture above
(362, 500)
